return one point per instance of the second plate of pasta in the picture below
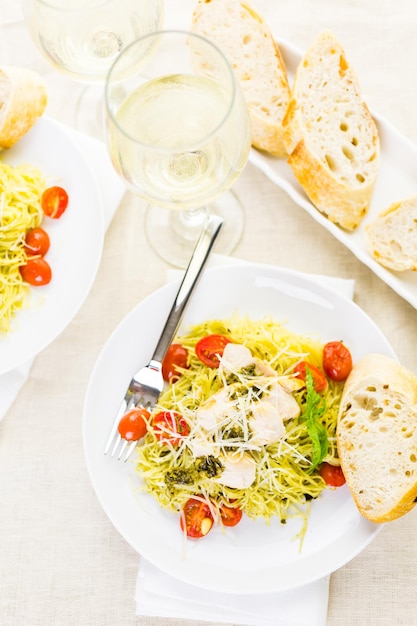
(76, 242)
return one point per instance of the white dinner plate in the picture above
(396, 180)
(76, 242)
(252, 557)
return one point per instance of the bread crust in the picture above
(23, 99)
(341, 204)
(377, 437)
(330, 135)
(245, 38)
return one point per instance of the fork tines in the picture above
(126, 448)
(123, 446)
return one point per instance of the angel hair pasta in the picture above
(21, 189)
(285, 469)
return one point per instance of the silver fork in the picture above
(147, 384)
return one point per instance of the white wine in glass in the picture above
(82, 38)
(178, 133)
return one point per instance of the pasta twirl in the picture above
(21, 189)
(283, 480)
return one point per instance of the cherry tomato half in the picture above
(36, 272)
(319, 379)
(37, 242)
(134, 424)
(337, 360)
(170, 427)
(196, 518)
(209, 348)
(54, 201)
(332, 475)
(176, 356)
(230, 516)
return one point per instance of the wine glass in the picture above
(178, 132)
(81, 38)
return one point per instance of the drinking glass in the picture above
(178, 133)
(82, 38)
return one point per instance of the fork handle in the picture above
(191, 276)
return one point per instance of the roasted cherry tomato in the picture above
(230, 515)
(337, 360)
(134, 424)
(175, 357)
(209, 348)
(54, 201)
(196, 518)
(36, 272)
(319, 379)
(332, 475)
(37, 242)
(170, 427)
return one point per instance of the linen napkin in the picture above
(112, 190)
(160, 595)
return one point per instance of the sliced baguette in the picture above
(23, 99)
(377, 437)
(330, 135)
(392, 236)
(245, 38)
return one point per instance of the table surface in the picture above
(61, 560)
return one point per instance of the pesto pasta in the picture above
(21, 189)
(286, 477)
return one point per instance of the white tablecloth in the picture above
(61, 561)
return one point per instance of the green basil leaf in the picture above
(314, 409)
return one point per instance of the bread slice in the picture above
(330, 135)
(23, 99)
(377, 437)
(245, 38)
(392, 236)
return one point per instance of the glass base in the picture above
(173, 234)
